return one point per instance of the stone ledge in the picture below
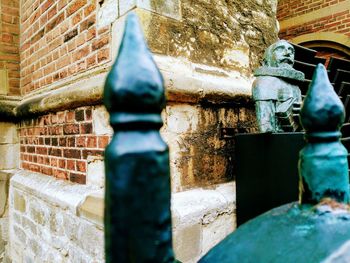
(6, 174)
(57, 192)
(201, 219)
(184, 81)
(203, 205)
(92, 208)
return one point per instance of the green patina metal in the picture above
(323, 162)
(277, 97)
(317, 229)
(137, 198)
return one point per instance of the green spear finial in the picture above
(323, 165)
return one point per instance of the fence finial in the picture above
(134, 84)
(137, 198)
(323, 165)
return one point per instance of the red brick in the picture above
(72, 153)
(88, 114)
(87, 23)
(77, 178)
(99, 43)
(89, 9)
(81, 141)
(71, 165)
(71, 141)
(76, 18)
(63, 141)
(103, 55)
(55, 22)
(70, 116)
(71, 34)
(52, 12)
(60, 174)
(61, 117)
(81, 166)
(75, 6)
(34, 167)
(87, 153)
(47, 141)
(86, 128)
(46, 170)
(103, 141)
(81, 53)
(62, 163)
(91, 142)
(41, 150)
(54, 141)
(79, 115)
(56, 130)
(46, 5)
(30, 149)
(71, 129)
(55, 152)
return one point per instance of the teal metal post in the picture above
(323, 164)
(137, 199)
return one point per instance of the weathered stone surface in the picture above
(199, 156)
(188, 243)
(7, 107)
(4, 190)
(228, 30)
(100, 121)
(3, 82)
(92, 208)
(8, 133)
(168, 8)
(208, 214)
(50, 229)
(214, 232)
(107, 13)
(19, 202)
(9, 157)
(95, 172)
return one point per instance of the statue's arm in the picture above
(265, 113)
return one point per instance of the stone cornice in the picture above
(185, 83)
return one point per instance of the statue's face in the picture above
(282, 55)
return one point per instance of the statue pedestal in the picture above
(266, 172)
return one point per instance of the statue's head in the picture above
(279, 54)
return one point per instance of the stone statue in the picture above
(275, 92)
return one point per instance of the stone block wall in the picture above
(9, 161)
(47, 228)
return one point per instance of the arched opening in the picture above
(327, 44)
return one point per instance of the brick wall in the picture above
(337, 23)
(305, 18)
(59, 39)
(59, 144)
(293, 8)
(9, 46)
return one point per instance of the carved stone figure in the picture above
(275, 92)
